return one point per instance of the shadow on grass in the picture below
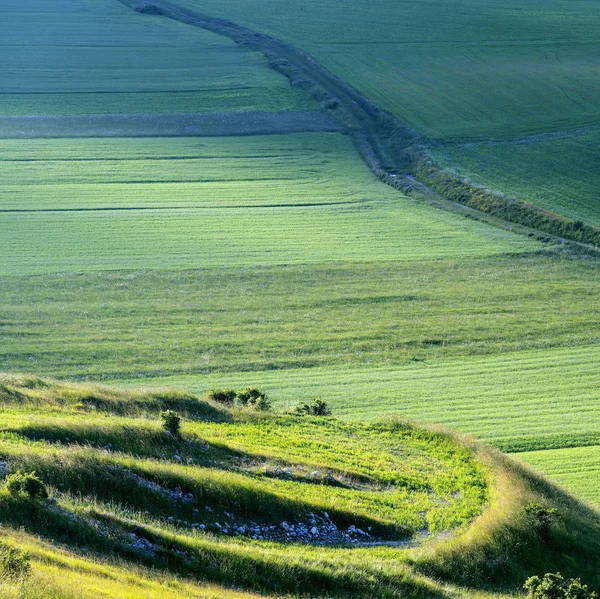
(165, 490)
(507, 553)
(247, 566)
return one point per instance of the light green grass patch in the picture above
(90, 57)
(576, 469)
(212, 232)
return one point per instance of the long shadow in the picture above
(164, 493)
(209, 560)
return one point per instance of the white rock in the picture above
(314, 531)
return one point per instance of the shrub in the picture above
(317, 407)
(249, 394)
(554, 586)
(542, 517)
(171, 422)
(254, 398)
(26, 484)
(261, 403)
(13, 562)
(224, 396)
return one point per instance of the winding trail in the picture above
(390, 148)
(375, 132)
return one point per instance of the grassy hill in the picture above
(268, 503)
(281, 261)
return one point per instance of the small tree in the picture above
(171, 422)
(224, 396)
(13, 562)
(317, 407)
(554, 586)
(26, 484)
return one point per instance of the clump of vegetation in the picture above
(254, 398)
(13, 562)
(222, 396)
(249, 395)
(542, 517)
(29, 484)
(318, 407)
(171, 422)
(554, 586)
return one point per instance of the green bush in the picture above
(542, 517)
(317, 407)
(28, 484)
(249, 394)
(223, 396)
(554, 586)
(254, 398)
(13, 562)
(171, 422)
(261, 403)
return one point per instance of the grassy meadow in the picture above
(555, 172)
(465, 68)
(465, 71)
(97, 57)
(576, 469)
(313, 204)
(135, 511)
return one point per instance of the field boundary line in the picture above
(210, 124)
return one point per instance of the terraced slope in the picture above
(243, 502)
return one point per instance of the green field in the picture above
(171, 265)
(90, 57)
(558, 173)
(450, 69)
(316, 203)
(576, 469)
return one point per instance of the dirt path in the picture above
(393, 151)
(166, 125)
(377, 134)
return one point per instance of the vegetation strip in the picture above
(215, 124)
(394, 152)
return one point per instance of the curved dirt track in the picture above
(390, 148)
(375, 132)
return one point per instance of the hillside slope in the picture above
(276, 504)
